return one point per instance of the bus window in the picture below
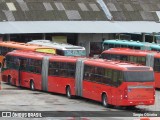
(24, 64)
(124, 46)
(135, 47)
(120, 78)
(133, 59)
(71, 70)
(123, 57)
(63, 69)
(117, 46)
(34, 66)
(88, 74)
(108, 76)
(12, 62)
(106, 47)
(98, 75)
(115, 78)
(111, 45)
(131, 47)
(141, 60)
(157, 64)
(139, 76)
(54, 68)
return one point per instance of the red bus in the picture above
(110, 82)
(7, 46)
(148, 58)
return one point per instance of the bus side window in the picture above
(106, 46)
(138, 48)
(62, 68)
(24, 64)
(115, 78)
(117, 46)
(90, 73)
(141, 60)
(157, 65)
(87, 72)
(132, 59)
(98, 75)
(71, 70)
(131, 47)
(105, 56)
(30, 65)
(108, 76)
(53, 68)
(120, 78)
(124, 57)
(123, 46)
(111, 45)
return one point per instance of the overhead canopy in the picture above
(78, 27)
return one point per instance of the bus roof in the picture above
(95, 62)
(124, 42)
(56, 45)
(128, 51)
(155, 46)
(119, 65)
(19, 45)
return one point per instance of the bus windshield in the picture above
(139, 76)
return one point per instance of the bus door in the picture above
(21, 69)
(150, 60)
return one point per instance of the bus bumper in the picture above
(135, 103)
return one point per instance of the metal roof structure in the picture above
(79, 16)
(81, 10)
(78, 27)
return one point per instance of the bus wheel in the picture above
(105, 100)
(32, 86)
(68, 92)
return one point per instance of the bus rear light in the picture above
(126, 93)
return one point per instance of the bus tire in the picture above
(68, 92)
(32, 86)
(9, 80)
(105, 100)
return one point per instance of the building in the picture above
(78, 22)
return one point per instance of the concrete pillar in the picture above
(8, 37)
(43, 36)
(153, 36)
(143, 37)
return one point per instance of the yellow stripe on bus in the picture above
(46, 50)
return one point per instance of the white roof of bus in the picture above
(56, 45)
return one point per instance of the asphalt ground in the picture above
(15, 99)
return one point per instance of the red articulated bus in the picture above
(110, 82)
(148, 58)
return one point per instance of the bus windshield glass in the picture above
(139, 76)
(75, 53)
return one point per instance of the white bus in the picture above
(62, 48)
